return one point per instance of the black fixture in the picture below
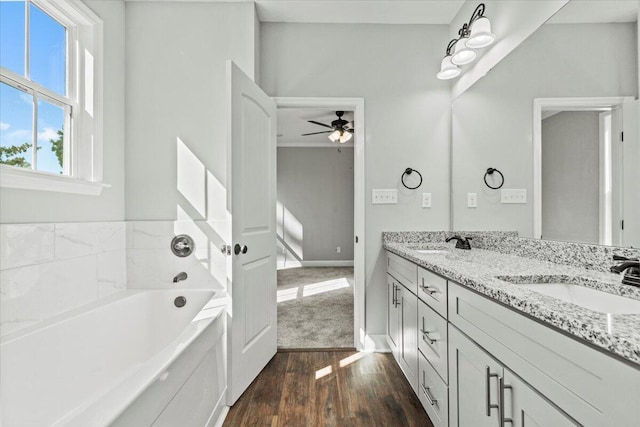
(490, 171)
(179, 277)
(339, 124)
(409, 171)
(180, 301)
(462, 243)
(631, 266)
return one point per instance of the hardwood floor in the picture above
(329, 388)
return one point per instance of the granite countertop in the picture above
(481, 270)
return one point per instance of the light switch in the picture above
(426, 200)
(384, 197)
(513, 195)
(472, 200)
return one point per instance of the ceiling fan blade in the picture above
(319, 124)
(316, 133)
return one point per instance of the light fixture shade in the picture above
(463, 54)
(448, 70)
(345, 137)
(481, 35)
(335, 135)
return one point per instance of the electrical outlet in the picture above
(513, 195)
(472, 200)
(384, 197)
(426, 200)
(338, 249)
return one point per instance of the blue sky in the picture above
(47, 67)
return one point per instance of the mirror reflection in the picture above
(551, 117)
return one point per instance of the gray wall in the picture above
(492, 121)
(407, 117)
(176, 105)
(26, 206)
(570, 176)
(315, 193)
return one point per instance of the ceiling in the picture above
(292, 122)
(596, 11)
(359, 11)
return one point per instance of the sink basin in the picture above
(583, 296)
(432, 251)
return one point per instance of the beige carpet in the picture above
(315, 307)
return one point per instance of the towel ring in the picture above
(409, 171)
(490, 171)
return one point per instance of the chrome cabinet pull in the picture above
(488, 376)
(393, 298)
(427, 393)
(502, 419)
(397, 298)
(427, 338)
(429, 289)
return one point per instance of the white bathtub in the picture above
(129, 360)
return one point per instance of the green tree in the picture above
(57, 146)
(13, 155)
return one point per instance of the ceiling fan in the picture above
(341, 130)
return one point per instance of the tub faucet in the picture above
(631, 267)
(461, 243)
(180, 277)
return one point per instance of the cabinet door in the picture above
(473, 383)
(392, 316)
(526, 408)
(409, 346)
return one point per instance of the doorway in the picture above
(320, 214)
(579, 184)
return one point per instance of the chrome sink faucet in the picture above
(461, 243)
(181, 276)
(631, 267)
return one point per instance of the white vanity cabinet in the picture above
(402, 315)
(485, 393)
(586, 387)
(475, 362)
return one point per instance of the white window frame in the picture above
(83, 150)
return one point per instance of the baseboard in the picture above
(219, 413)
(377, 343)
(328, 263)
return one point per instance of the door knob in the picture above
(237, 249)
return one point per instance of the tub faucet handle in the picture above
(179, 277)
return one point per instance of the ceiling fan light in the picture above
(463, 54)
(346, 136)
(448, 70)
(481, 35)
(335, 135)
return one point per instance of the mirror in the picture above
(550, 118)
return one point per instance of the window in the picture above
(50, 128)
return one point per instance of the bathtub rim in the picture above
(140, 376)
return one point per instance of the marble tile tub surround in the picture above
(592, 257)
(51, 268)
(481, 269)
(152, 265)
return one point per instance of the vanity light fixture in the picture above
(473, 35)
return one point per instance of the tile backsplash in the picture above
(51, 268)
(48, 269)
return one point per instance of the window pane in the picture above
(12, 36)
(16, 127)
(47, 51)
(50, 137)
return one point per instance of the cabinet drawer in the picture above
(432, 339)
(403, 271)
(432, 289)
(433, 394)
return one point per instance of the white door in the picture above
(631, 174)
(251, 202)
